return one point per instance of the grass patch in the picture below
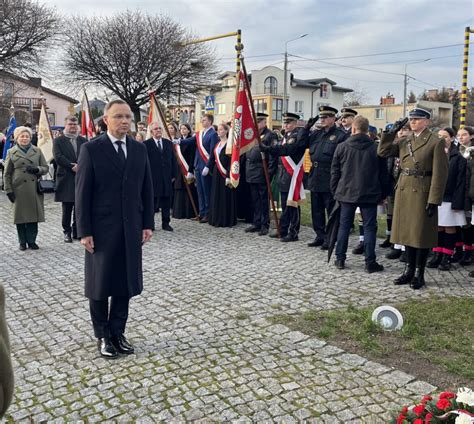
(242, 316)
(436, 342)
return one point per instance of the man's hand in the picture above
(189, 176)
(74, 167)
(205, 171)
(430, 209)
(311, 122)
(227, 182)
(176, 141)
(398, 125)
(146, 235)
(88, 243)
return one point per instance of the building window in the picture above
(277, 109)
(299, 106)
(324, 92)
(260, 105)
(220, 108)
(51, 118)
(270, 86)
(379, 114)
(8, 89)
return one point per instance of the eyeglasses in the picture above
(121, 117)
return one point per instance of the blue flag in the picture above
(9, 136)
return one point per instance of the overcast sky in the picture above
(335, 29)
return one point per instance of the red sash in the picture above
(202, 151)
(296, 193)
(181, 160)
(220, 167)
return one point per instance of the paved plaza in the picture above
(205, 349)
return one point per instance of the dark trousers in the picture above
(163, 204)
(27, 232)
(261, 205)
(107, 322)
(69, 211)
(369, 217)
(290, 218)
(203, 185)
(320, 204)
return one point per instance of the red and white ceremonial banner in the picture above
(45, 136)
(87, 123)
(243, 134)
(296, 193)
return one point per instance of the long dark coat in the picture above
(163, 166)
(113, 205)
(6, 369)
(64, 155)
(29, 204)
(411, 225)
(455, 191)
(254, 167)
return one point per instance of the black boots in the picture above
(444, 264)
(435, 260)
(419, 280)
(410, 266)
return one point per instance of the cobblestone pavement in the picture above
(204, 348)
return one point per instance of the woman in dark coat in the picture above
(451, 212)
(222, 209)
(182, 207)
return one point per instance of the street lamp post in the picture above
(405, 85)
(285, 71)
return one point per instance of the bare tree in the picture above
(123, 52)
(411, 97)
(26, 29)
(357, 97)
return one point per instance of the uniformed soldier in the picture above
(255, 176)
(291, 213)
(347, 118)
(322, 144)
(420, 189)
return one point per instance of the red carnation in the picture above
(418, 410)
(418, 421)
(443, 404)
(404, 410)
(447, 395)
(426, 398)
(401, 418)
(428, 417)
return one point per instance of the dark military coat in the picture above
(254, 167)
(411, 225)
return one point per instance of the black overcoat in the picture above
(163, 166)
(254, 167)
(64, 155)
(114, 203)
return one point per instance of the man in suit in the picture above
(163, 170)
(114, 211)
(66, 150)
(205, 141)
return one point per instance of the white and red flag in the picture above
(45, 136)
(155, 115)
(87, 122)
(244, 132)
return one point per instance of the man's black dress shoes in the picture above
(122, 345)
(167, 227)
(107, 349)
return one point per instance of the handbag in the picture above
(46, 186)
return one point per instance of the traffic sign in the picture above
(210, 103)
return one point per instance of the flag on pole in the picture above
(156, 115)
(45, 136)
(9, 136)
(87, 122)
(244, 133)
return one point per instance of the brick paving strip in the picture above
(205, 350)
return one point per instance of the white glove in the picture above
(176, 141)
(205, 171)
(227, 181)
(189, 176)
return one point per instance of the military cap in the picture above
(288, 117)
(345, 112)
(327, 111)
(261, 116)
(419, 113)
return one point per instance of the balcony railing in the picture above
(23, 102)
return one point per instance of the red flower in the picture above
(426, 398)
(428, 417)
(443, 404)
(447, 395)
(418, 421)
(404, 410)
(418, 410)
(401, 418)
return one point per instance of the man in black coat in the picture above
(163, 171)
(359, 178)
(66, 150)
(114, 211)
(255, 177)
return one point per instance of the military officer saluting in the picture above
(290, 178)
(347, 117)
(255, 177)
(420, 189)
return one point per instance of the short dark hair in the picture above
(114, 102)
(361, 124)
(71, 118)
(210, 117)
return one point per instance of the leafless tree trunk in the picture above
(123, 52)
(26, 29)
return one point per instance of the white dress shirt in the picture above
(124, 143)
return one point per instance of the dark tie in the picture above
(120, 152)
(160, 143)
